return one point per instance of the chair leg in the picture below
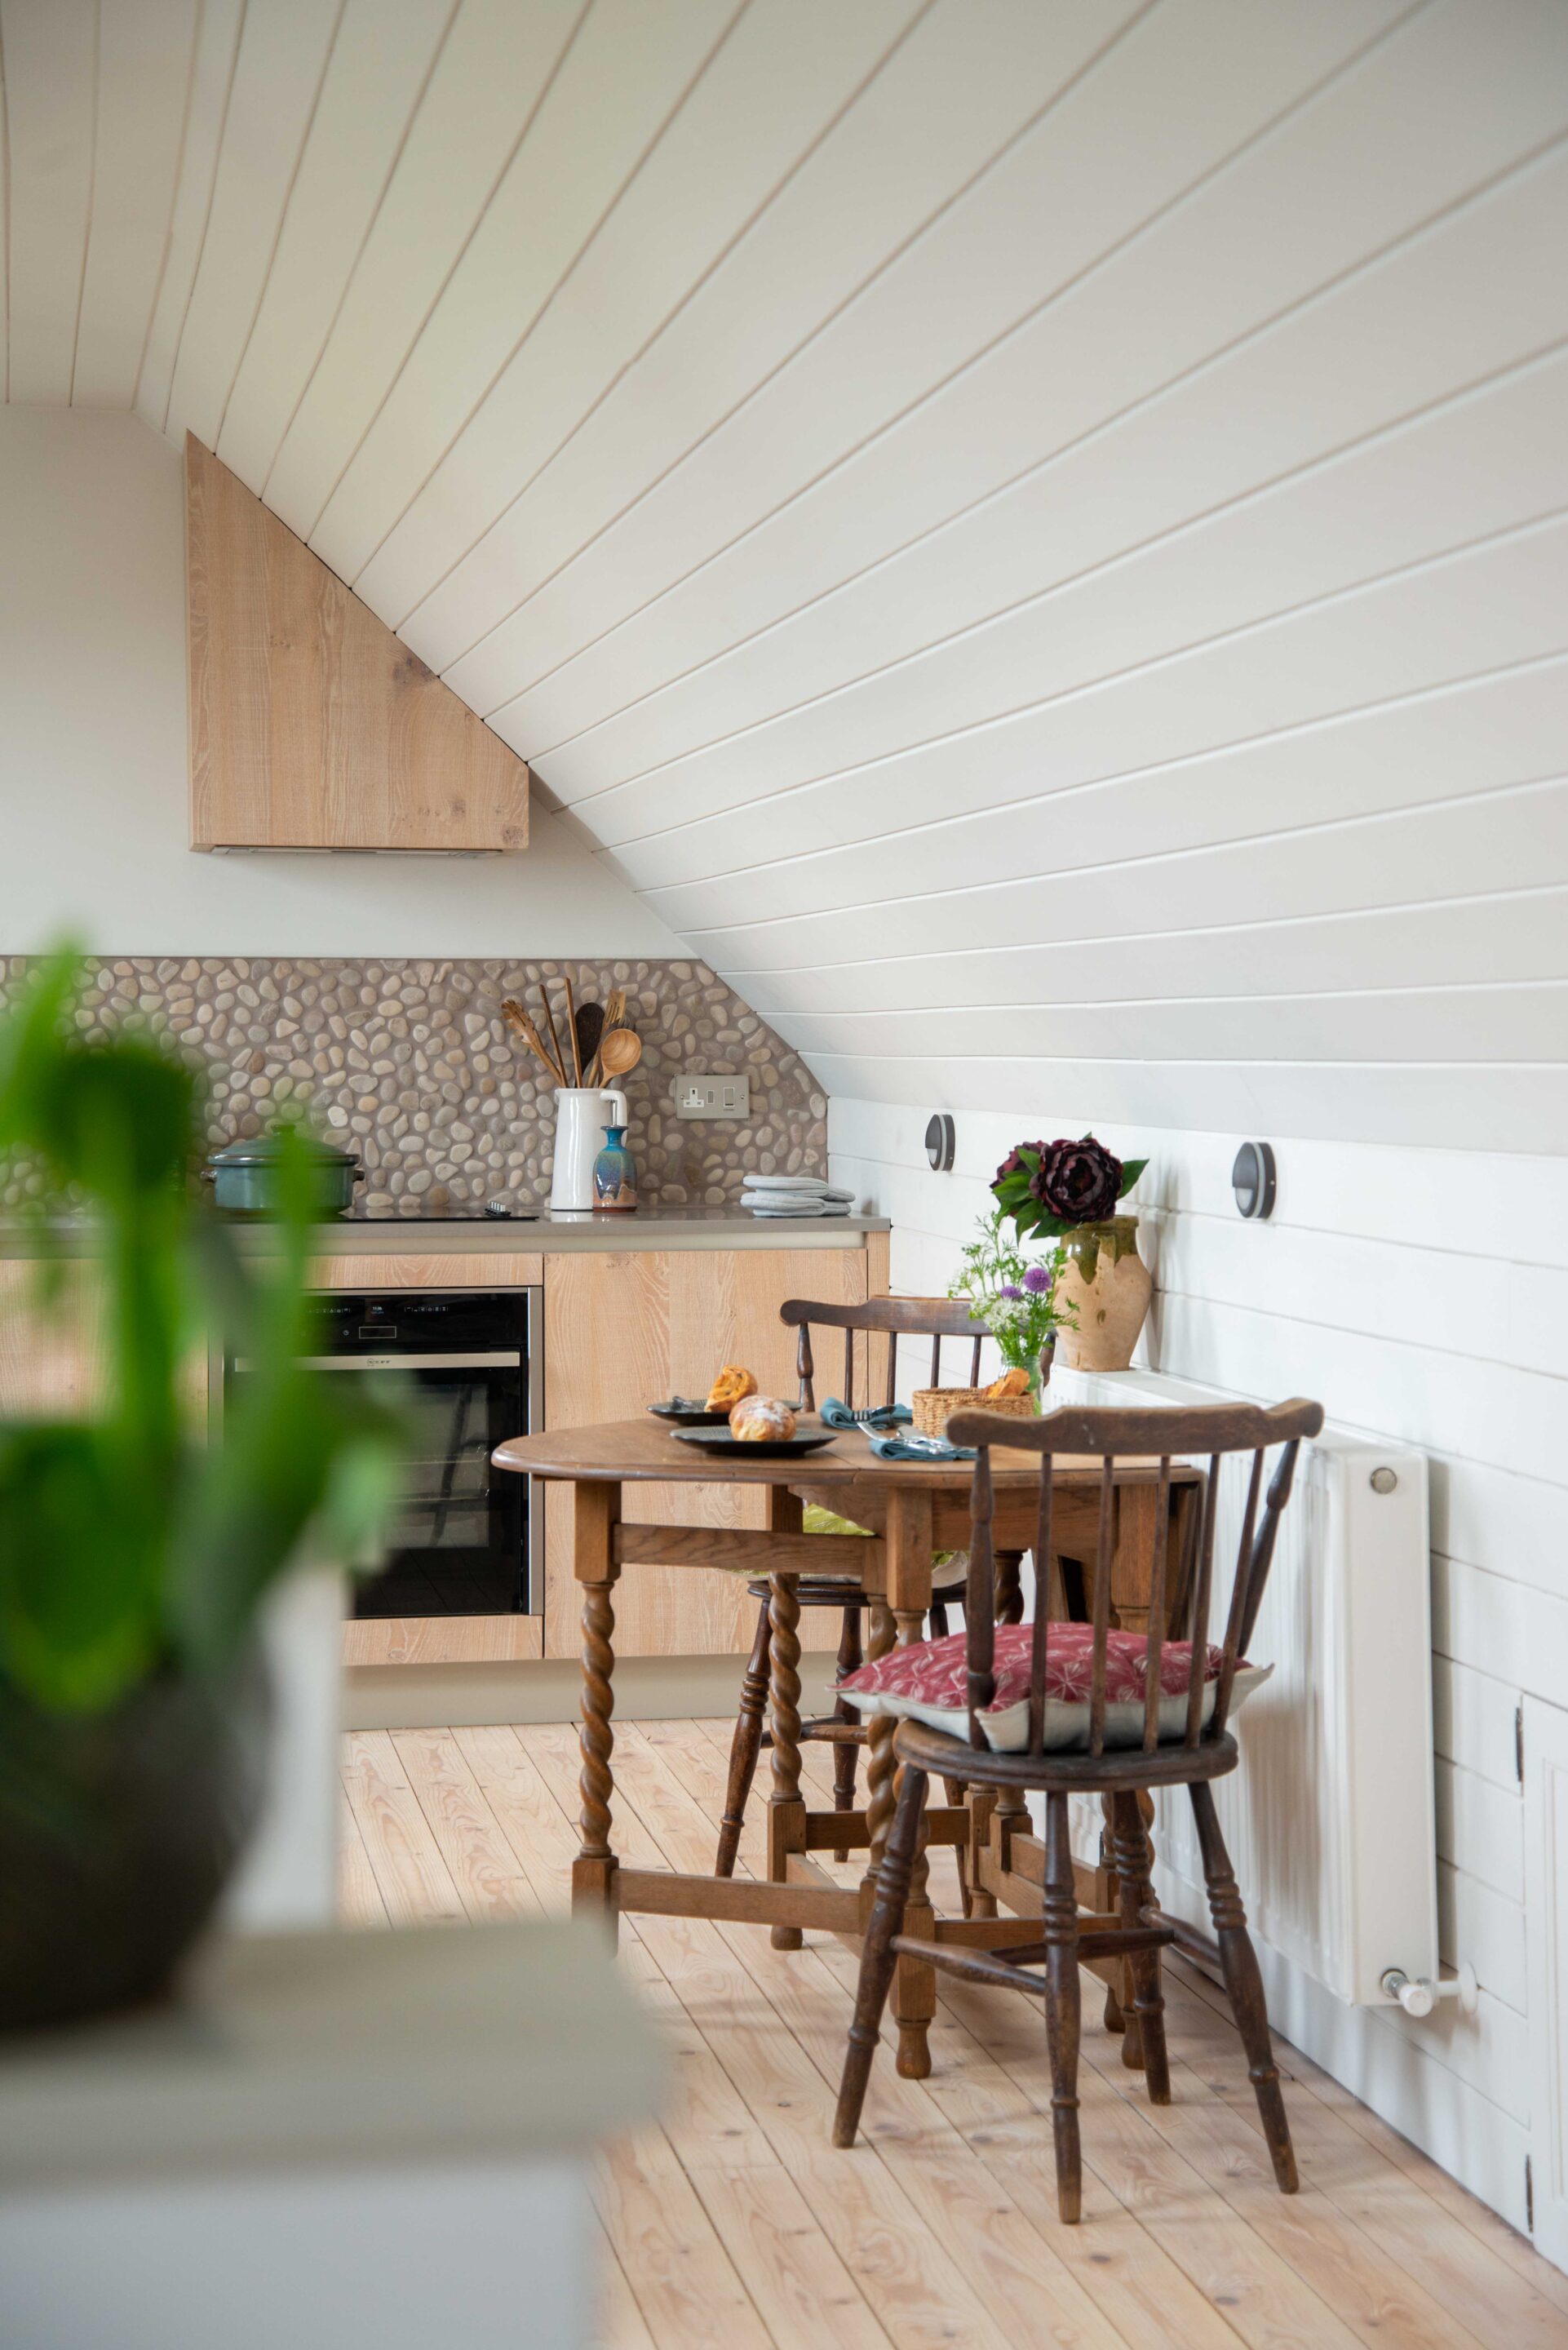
(1244, 1986)
(845, 1757)
(1062, 2006)
(1135, 1893)
(957, 1793)
(744, 1748)
(879, 1958)
(938, 1620)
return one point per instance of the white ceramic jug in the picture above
(582, 1114)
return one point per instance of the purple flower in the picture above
(1037, 1281)
(1013, 1163)
(1078, 1181)
(1009, 1290)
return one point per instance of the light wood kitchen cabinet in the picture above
(620, 1332)
(52, 1360)
(312, 725)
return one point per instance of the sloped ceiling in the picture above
(1032, 531)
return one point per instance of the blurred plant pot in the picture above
(117, 1833)
(1106, 1283)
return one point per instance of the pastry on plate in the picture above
(761, 1419)
(1014, 1382)
(732, 1382)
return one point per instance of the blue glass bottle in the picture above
(615, 1173)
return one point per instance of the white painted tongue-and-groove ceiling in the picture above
(1032, 531)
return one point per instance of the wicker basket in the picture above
(933, 1406)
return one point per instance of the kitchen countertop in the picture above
(647, 1228)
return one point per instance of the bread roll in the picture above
(732, 1382)
(761, 1419)
(1014, 1382)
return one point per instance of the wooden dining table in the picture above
(912, 1509)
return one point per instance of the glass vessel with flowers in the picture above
(1014, 1296)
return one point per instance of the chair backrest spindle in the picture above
(1155, 1658)
(879, 1317)
(980, 1614)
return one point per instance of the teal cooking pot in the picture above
(244, 1177)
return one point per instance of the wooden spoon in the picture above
(620, 1049)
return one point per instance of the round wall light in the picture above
(1252, 1179)
(939, 1142)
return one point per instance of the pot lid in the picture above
(264, 1151)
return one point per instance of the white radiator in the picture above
(1330, 1819)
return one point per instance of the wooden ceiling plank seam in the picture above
(145, 61)
(50, 76)
(743, 128)
(380, 70)
(800, 46)
(606, 609)
(1339, 340)
(854, 794)
(1025, 151)
(1465, 718)
(401, 450)
(1392, 456)
(299, 488)
(963, 143)
(181, 154)
(220, 30)
(341, 9)
(92, 192)
(283, 50)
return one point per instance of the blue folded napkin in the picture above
(835, 1414)
(919, 1448)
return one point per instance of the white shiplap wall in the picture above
(1421, 1295)
(1034, 533)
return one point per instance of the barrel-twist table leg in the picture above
(878, 1748)
(910, 1546)
(593, 1870)
(786, 1810)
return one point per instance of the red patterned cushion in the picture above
(927, 1682)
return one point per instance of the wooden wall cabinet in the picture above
(312, 725)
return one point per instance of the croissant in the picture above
(732, 1382)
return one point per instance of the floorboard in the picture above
(733, 2223)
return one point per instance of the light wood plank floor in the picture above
(734, 2224)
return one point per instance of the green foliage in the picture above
(130, 1545)
(1013, 1294)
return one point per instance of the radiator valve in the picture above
(1418, 1996)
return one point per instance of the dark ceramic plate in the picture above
(687, 1412)
(772, 1447)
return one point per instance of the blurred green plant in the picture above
(130, 1545)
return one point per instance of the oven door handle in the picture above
(508, 1361)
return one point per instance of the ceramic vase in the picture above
(1106, 1282)
(581, 1112)
(615, 1173)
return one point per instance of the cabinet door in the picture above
(51, 1357)
(621, 1332)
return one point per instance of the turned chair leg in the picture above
(1135, 1893)
(845, 1756)
(879, 1955)
(744, 1748)
(1244, 1986)
(1062, 2006)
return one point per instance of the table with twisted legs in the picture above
(913, 1508)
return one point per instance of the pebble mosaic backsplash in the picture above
(410, 1066)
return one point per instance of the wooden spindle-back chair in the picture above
(888, 1318)
(1204, 1751)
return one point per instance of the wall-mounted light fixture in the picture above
(939, 1142)
(1252, 1179)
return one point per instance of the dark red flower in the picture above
(1078, 1181)
(1014, 1164)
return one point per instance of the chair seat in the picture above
(843, 1591)
(932, 1751)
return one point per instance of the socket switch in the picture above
(712, 1096)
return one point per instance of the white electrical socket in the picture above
(712, 1096)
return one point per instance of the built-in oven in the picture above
(466, 1538)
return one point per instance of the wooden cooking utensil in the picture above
(550, 1027)
(620, 1052)
(571, 1028)
(590, 1024)
(615, 1008)
(517, 1020)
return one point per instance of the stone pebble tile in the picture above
(410, 1066)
